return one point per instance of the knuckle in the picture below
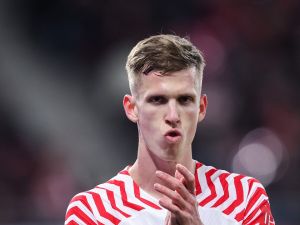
(190, 210)
(190, 217)
(178, 186)
(176, 196)
(177, 211)
(193, 202)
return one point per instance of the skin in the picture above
(164, 167)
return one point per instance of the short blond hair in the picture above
(163, 53)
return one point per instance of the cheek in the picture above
(146, 114)
(192, 120)
(148, 119)
(193, 114)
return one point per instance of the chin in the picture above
(168, 158)
(171, 153)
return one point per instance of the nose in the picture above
(172, 117)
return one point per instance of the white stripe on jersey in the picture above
(118, 198)
(102, 193)
(231, 192)
(254, 217)
(130, 191)
(203, 183)
(254, 188)
(218, 187)
(241, 206)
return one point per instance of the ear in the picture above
(130, 108)
(202, 107)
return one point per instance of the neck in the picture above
(147, 163)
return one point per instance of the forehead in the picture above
(173, 83)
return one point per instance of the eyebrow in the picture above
(191, 94)
(188, 94)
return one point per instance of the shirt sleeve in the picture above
(79, 212)
(258, 210)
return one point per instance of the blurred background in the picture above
(62, 80)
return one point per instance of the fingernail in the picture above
(158, 173)
(179, 165)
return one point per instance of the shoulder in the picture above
(85, 207)
(118, 199)
(235, 195)
(79, 210)
(213, 178)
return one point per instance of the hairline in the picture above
(138, 80)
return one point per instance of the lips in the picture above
(173, 136)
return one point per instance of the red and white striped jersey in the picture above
(224, 198)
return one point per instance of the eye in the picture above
(184, 100)
(157, 100)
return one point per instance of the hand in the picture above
(179, 197)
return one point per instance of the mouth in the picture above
(173, 136)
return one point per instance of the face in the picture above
(167, 109)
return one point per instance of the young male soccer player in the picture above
(166, 185)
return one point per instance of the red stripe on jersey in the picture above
(197, 183)
(264, 218)
(266, 215)
(125, 172)
(101, 209)
(112, 201)
(138, 196)
(125, 201)
(240, 215)
(75, 210)
(72, 223)
(211, 187)
(258, 193)
(224, 184)
(239, 195)
(83, 200)
(250, 217)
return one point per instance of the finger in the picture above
(174, 184)
(189, 178)
(168, 204)
(169, 180)
(174, 196)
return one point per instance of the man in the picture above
(165, 185)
